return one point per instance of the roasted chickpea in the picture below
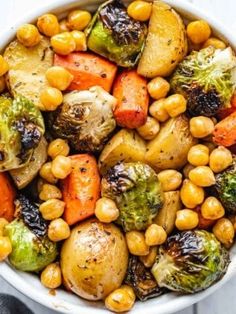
(4, 67)
(58, 147)
(202, 176)
(58, 230)
(2, 84)
(51, 276)
(49, 191)
(158, 87)
(63, 43)
(3, 223)
(150, 129)
(187, 168)
(186, 219)
(63, 26)
(191, 194)
(175, 105)
(106, 210)
(5, 247)
(214, 42)
(158, 111)
(28, 35)
(198, 31)
(224, 231)
(80, 40)
(201, 126)
(198, 155)
(59, 77)
(120, 300)
(78, 20)
(61, 167)
(140, 10)
(136, 243)
(149, 259)
(46, 173)
(220, 159)
(52, 209)
(48, 24)
(51, 98)
(170, 179)
(155, 235)
(212, 208)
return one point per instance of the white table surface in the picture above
(224, 300)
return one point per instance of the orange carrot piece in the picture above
(225, 131)
(7, 197)
(88, 70)
(81, 189)
(130, 89)
(227, 111)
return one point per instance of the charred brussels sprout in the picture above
(226, 188)
(85, 119)
(190, 261)
(207, 79)
(137, 192)
(21, 129)
(141, 279)
(116, 36)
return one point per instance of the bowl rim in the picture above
(9, 274)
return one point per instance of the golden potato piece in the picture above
(166, 43)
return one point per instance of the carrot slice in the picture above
(7, 197)
(225, 131)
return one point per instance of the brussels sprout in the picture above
(190, 261)
(137, 192)
(207, 79)
(226, 188)
(85, 119)
(115, 35)
(21, 129)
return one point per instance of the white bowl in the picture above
(65, 302)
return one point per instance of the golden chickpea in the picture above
(155, 235)
(149, 259)
(136, 243)
(130, 290)
(58, 147)
(78, 20)
(224, 231)
(4, 67)
(51, 98)
(46, 173)
(202, 176)
(2, 84)
(212, 208)
(5, 247)
(220, 159)
(158, 88)
(80, 40)
(52, 209)
(150, 129)
(158, 111)
(186, 219)
(198, 155)
(191, 194)
(51, 276)
(63, 26)
(175, 105)
(59, 77)
(198, 31)
(58, 230)
(120, 300)
(201, 126)
(28, 35)
(63, 43)
(106, 210)
(61, 167)
(140, 10)
(49, 191)
(48, 24)
(170, 179)
(3, 223)
(187, 168)
(214, 42)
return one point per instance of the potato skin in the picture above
(94, 259)
(166, 43)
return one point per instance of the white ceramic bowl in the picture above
(65, 302)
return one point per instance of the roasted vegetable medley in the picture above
(117, 143)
